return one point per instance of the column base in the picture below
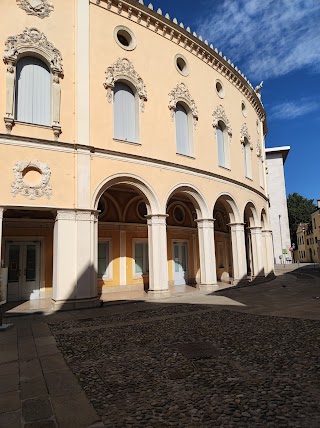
(71, 304)
(208, 287)
(158, 294)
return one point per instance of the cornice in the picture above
(153, 20)
(128, 156)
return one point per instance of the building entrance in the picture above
(180, 263)
(23, 261)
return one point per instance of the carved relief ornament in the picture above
(244, 134)
(220, 115)
(19, 186)
(259, 150)
(181, 93)
(32, 41)
(39, 8)
(124, 69)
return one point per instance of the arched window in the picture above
(33, 92)
(221, 140)
(182, 130)
(247, 159)
(125, 114)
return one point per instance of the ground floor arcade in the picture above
(125, 243)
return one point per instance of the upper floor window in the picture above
(33, 92)
(222, 144)
(125, 113)
(247, 159)
(182, 130)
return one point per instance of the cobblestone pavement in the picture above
(195, 366)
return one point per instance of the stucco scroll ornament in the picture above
(123, 69)
(259, 150)
(220, 115)
(39, 8)
(31, 191)
(181, 93)
(33, 41)
(244, 134)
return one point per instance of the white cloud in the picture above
(292, 110)
(269, 38)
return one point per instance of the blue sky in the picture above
(277, 41)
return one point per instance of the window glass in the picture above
(141, 258)
(182, 130)
(33, 92)
(221, 147)
(124, 113)
(103, 259)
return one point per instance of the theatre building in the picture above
(132, 155)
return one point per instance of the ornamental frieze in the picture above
(124, 69)
(39, 8)
(220, 114)
(244, 134)
(39, 185)
(181, 93)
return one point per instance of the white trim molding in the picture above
(219, 114)
(39, 8)
(123, 69)
(19, 186)
(244, 134)
(181, 93)
(32, 41)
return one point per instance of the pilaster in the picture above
(74, 271)
(238, 252)
(208, 273)
(158, 260)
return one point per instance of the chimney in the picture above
(318, 201)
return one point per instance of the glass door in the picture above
(180, 263)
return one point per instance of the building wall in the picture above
(85, 160)
(278, 205)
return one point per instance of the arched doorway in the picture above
(222, 239)
(189, 239)
(123, 263)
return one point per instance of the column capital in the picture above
(76, 214)
(255, 229)
(2, 209)
(156, 218)
(205, 223)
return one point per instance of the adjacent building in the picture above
(278, 211)
(132, 155)
(308, 239)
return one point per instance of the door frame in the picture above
(180, 241)
(24, 239)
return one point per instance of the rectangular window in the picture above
(141, 258)
(104, 259)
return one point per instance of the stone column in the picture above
(239, 257)
(268, 252)
(158, 260)
(257, 253)
(208, 273)
(74, 264)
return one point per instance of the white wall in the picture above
(278, 204)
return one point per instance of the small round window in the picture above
(244, 109)
(181, 65)
(219, 89)
(142, 210)
(178, 214)
(125, 38)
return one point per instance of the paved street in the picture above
(245, 357)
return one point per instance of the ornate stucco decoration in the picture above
(220, 114)
(181, 93)
(42, 188)
(32, 41)
(124, 69)
(259, 150)
(39, 8)
(244, 134)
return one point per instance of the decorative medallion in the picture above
(39, 8)
(124, 69)
(33, 40)
(219, 114)
(244, 134)
(181, 93)
(31, 179)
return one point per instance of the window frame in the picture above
(144, 242)
(137, 115)
(187, 110)
(108, 275)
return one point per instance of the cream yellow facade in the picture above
(183, 200)
(308, 239)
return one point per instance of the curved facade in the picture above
(132, 155)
